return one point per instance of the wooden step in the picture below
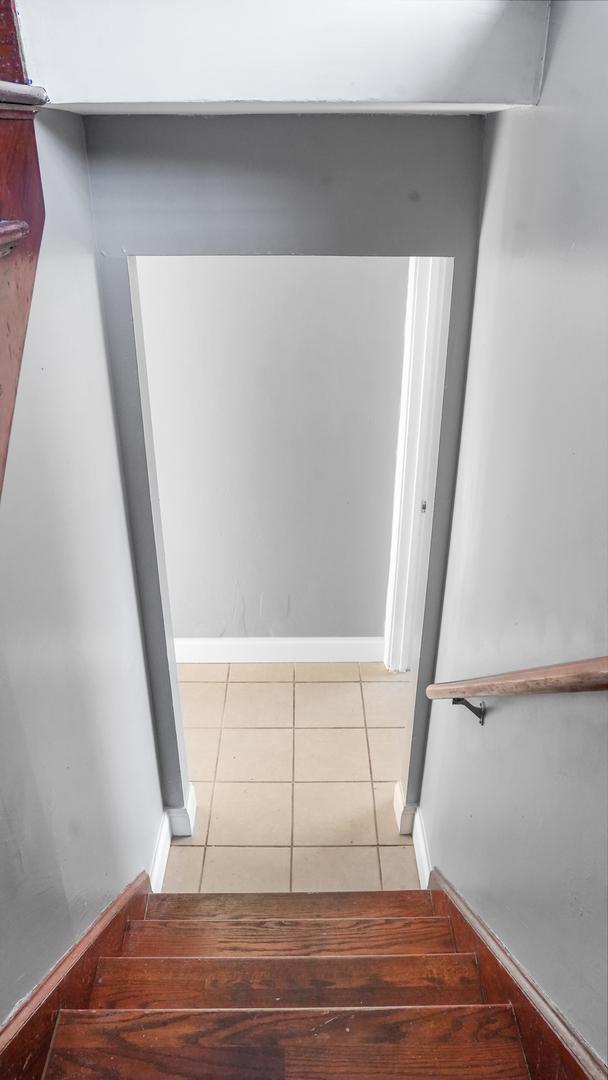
(282, 982)
(413, 903)
(287, 937)
(479, 1041)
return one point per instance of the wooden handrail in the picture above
(10, 233)
(575, 677)
(12, 93)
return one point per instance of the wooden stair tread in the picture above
(288, 937)
(289, 905)
(479, 1041)
(272, 982)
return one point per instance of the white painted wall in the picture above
(274, 388)
(80, 804)
(96, 56)
(515, 812)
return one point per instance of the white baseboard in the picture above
(404, 814)
(161, 854)
(176, 821)
(421, 850)
(182, 818)
(276, 649)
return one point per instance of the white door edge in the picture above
(427, 318)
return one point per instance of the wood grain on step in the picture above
(477, 1041)
(287, 937)
(290, 905)
(283, 982)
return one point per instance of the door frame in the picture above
(427, 320)
(119, 294)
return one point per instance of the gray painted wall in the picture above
(316, 185)
(515, 813)
(78, 817)
(267, 54)
(274, 386)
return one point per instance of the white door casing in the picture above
(427, 318)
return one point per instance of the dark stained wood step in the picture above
(479, 1041)
(287, 937)
(412, 903)
(283, 982)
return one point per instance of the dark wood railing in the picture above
(18, 93)
(575, 677)
(10, 233)
(21, 214)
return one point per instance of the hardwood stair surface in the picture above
(379, 905)
(287, 937)
(271, 982)
(366, 986)
(479, 1041)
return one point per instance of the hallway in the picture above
(294, 768)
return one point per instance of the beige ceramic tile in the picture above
(201, 751)
(388, 749)
(203, 803)
(399, 868)
(261, 673)
(335, 869)
(328, 705)
(202, 672)
(385, 816)
(202, 703)
(250, 814)
(241, 869)
(327, 672)
(183, 873)
(256, 755)
(331, 755)
(376, 672)
(334, 814)
(259, 705)
(388, 704)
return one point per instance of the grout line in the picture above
(298, 682)
(286, 847)
(371, 773)
(286, 780)
(299, 727)
(217, 758)
(305, 846)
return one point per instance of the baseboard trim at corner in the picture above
(278, 650)
(161, 853)
(421, 850)
(182, 818)
(404, 814)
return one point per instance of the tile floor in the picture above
(294, 768)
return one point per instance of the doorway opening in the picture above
(295, 406)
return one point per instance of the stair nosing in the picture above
(287, 1008)
(289, 956)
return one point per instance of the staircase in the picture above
(365, 986)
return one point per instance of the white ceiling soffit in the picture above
(253, 108)
(223, 56)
